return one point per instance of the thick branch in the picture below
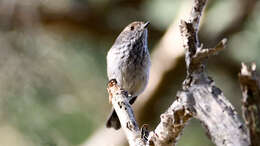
(199, 97)
(172, 122)
(250, 86)
(125, 114)
(218, 116)
(211, 107)
(174, 119)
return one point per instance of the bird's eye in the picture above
(132, 28)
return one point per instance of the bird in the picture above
(128, 62)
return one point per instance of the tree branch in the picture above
(199, 98)
(125, 112)
(250, 86)
(211, 107)
(174, 119)
(169, 50)
(172, 122)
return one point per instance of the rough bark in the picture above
(199, 98)
(172, 122)
(250, 86)
(123, 108)
(169, 50)
(211, 107)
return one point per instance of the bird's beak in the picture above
(145, 25)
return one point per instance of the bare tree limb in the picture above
(189, 30)
(172, 122)
(250, 86)
(244, 11)
(174, 119)
(125, 112)
(211, 106)
(166, 133)
(169, 50)
(199, 97)
(206, 52)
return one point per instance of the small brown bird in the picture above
(128, 61)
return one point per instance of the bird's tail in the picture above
(113, 121)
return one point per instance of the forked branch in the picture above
(198, 98)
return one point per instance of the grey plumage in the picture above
(128, 61)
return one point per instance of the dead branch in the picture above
(199, 97)
(170, 127)
(123, 108)
(169, 50)
(211, 106)
(172, 122)
(250, 86)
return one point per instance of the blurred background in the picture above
(53, 67)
